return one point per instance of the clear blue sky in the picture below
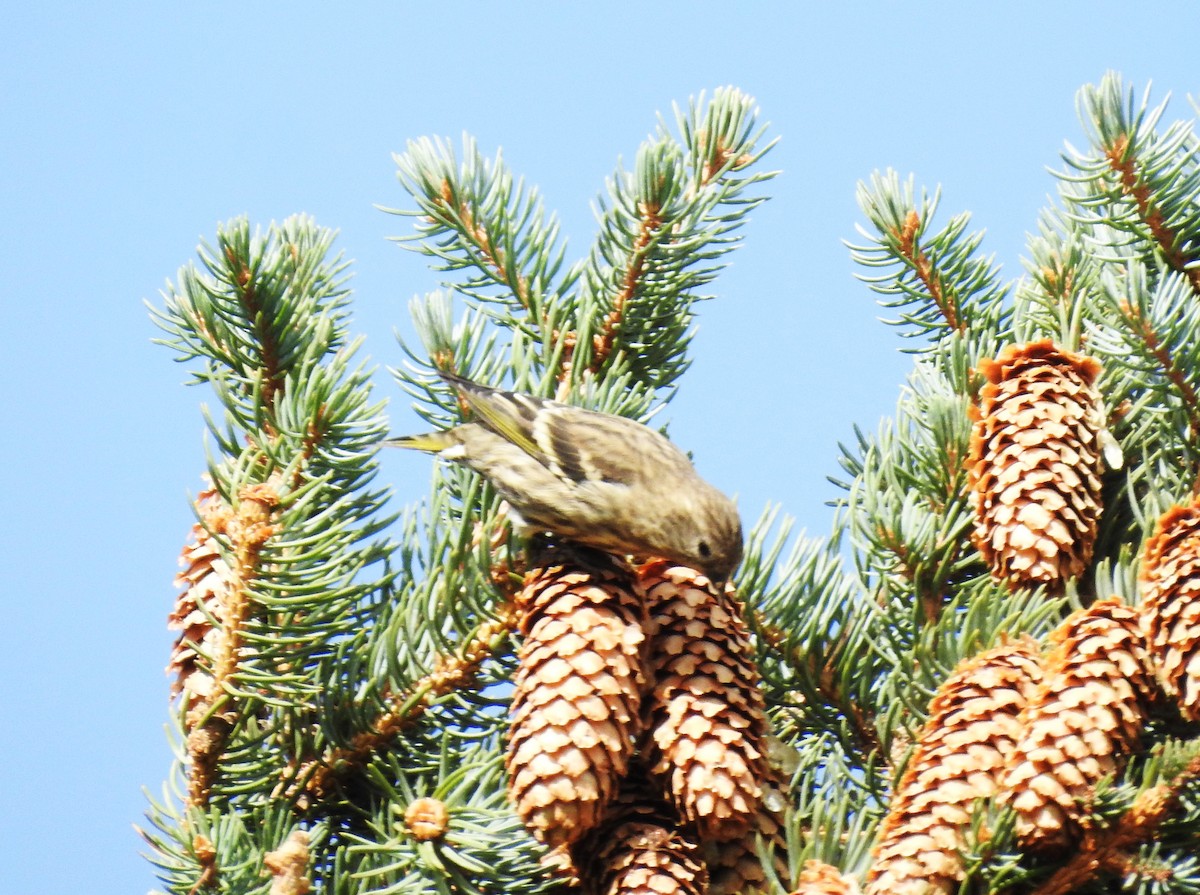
(127, 131)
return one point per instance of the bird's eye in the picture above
(705, 550)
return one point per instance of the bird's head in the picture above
(709, 537)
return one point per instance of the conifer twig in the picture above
(1144, 330)
(1124, 164)
(931, 279)
(651, 223)
(1107, 850)
(483, 242)
(211, 719)
(247, 295)
(824, 676)
(449, 674)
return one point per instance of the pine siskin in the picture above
(598, 479)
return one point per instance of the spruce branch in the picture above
(625, 311)
(650, 222)
(211, 717)
(1055, 295)
(241, 313)
(826, 683)
(1108, 849)
(479, 841)
(1137, 179)
(279, 574)
(933, 283)
(936, 281)
(1125, 164)
(472, 216)
(663, 231)
(1146, 329)
(450, 675)
(808, 617)
(906, 513)
(1152, 344)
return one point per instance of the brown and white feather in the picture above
(596, 478)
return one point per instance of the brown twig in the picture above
(604, 341)
(650, 224)
(273, 376)
(1124, 164)
(931, 599)
(1109, 849)
(317, 778)
(1145, 331)
(483, 241)
(914, 255)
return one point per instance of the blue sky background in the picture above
(127, 131)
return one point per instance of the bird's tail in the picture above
(434, 442)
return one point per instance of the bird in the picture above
(600, 480)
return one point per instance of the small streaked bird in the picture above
(598, 479)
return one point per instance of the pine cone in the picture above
(1170, 581)
(961, 753)
(1035, 464)
(575, 715)
(1087, 713)
(735, 867)
(819, 878)
(704, 710)
(639, 848)
(205, 579)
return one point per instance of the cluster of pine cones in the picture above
(638, 741)
(1037, 729)
(637, 748)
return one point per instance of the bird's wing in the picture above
(575, 444)
(594, 447)
(508, 414)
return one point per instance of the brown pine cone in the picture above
(575, 716)
(735, 867)
(1036, 461)
(206, 580)
(1170, 582)
(1086, 715)
(639, 847)
(705, 717)
(960, 756)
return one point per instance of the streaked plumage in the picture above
(595, 478)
